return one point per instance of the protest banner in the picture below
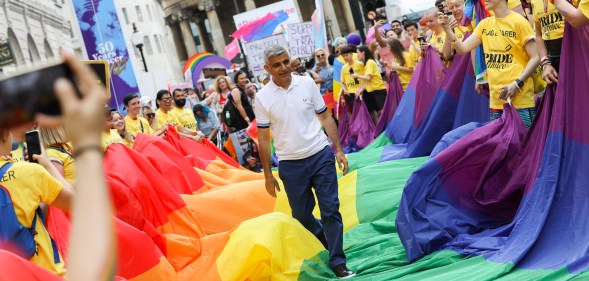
(300, 39)
(254, 51)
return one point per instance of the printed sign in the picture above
(300, 39)
(255, 51)
(104, 40)
(6, 55)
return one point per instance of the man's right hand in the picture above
(272, 186)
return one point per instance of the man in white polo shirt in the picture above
(293, 108)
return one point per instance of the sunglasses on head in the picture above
(150, 115)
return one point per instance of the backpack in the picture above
(229, 112)
(231, 116)
(14, 237)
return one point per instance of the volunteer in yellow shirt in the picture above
(415, 50)
(110, 135)
(511, 57)
(350, 85)
(165, 116)
(59, 151)
(373, 89)
(438, 35)
(185, 116)
(28, 185)
(457, 9)
(549, 27)
(133, 123)
(121, 128)
(403, 64)
(577, 15)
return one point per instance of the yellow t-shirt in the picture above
(186, 118)
(551, 21)
(30, 184)
(110, 138)
(438, 41)
(166, 118)
(504, 42)
(460, 31)
(66, 160)
(136, 126)
(375, 82)
(347, 78)
(405, 77)
(414, 55)
(18, 154)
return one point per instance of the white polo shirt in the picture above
(292, 116)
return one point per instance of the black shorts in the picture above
(375, 100)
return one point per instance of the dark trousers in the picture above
(318, 172)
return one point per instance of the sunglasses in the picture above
(167, 100)
(150, 115)
(321, 55)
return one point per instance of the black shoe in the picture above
(342, 272)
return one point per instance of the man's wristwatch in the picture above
(519, 83)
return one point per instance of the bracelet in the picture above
(85, 149)
(544, 58)
(517, 86)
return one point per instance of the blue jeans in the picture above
(317, 172)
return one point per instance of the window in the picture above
(139, 15)
(157, 43)
(147, 45)
(149, 12)
(125, 16)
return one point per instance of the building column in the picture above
(347, 11)
(177, 35)
(250, 5)
(329, 13)
(204, 36)
(217, 32)
(188, 37)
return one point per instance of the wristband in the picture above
(85, 149)
(544, 58)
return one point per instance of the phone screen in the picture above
(26, 94)
(421, 40)
(33, 144)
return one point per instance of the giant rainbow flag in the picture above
(185, 211)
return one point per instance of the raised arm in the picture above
(573, 15)
(464, 47)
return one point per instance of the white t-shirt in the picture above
(292, 116)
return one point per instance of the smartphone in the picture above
(421, 40)
(30, 91)
(33, 144)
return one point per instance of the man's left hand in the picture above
(342, 162)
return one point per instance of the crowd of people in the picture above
(521, 44)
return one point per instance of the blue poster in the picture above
(104, 40)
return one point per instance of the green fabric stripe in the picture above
(379, 187)
(369, 155)
(375, 252)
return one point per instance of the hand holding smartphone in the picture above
(30, 92)
(33, 141)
